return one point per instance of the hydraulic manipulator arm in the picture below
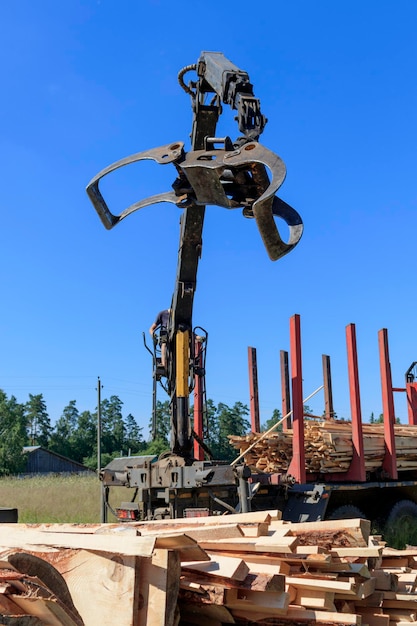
(240, 174)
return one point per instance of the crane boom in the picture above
(217, 171)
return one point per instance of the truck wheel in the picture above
(347, 511)
(401, 526)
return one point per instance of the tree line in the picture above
(74, 435)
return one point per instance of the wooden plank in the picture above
(356, 524)
(314, 599)
(254, 530)
(45, 609)
(362, 552)
(100, 582)
(268, 603)
(258, 544)
(346, 587)
(11, 536)
(385, 581)
(362, 590)
(406, 582)
(358, 529)
(205, 615)
(297, 614)
(397, 561)
(159, 579)
(188, 549)
(252, 582)
(217, 531)
(223, 566)
(373, 619)
(310, 550)
(213, 520)
(259, 563)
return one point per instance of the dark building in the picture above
(42, 461)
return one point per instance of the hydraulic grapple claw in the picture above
(165, 154)
(226, 177)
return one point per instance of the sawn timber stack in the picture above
(243, 569)
(328, 447)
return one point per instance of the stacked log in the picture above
(328, 447)
(247, 569)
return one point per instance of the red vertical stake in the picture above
(357, 468)
(198, 405)
(297, 466)
(411, 390)
(253, 390)
(285, 389)
(390, 459)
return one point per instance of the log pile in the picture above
(247, 569)
(328, 447)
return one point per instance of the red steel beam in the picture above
(198, 404)
(297, 466)
(411, 391)
(390, 459)
(253, 390)
(357, 467)
(285, 389)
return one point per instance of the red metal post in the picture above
(327, 384)
(198, 404)
(253, 390)
(297, 466)
(411, 391)
(390, 459)
(357, 468)
(285, 389)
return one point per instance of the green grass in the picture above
(76, 499)
(402, 534)
(57, 499)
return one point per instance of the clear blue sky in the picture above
(85, 83)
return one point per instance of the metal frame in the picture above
(297, 465)
(390, 460)
(253, 391)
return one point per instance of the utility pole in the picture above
(103, 511)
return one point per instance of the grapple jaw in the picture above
(228, 177)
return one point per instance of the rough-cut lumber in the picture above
(159, 580)
(223, 566)
(355, 531)
(270, 604)
(315, 599)
(328, 447)
(296, 574)
(25, 537)
(187, 547)
(247, 544)
(109, 580)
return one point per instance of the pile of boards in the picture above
(236, 569)
(328, 447)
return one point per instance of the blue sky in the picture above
(85, 83)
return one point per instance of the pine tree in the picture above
(12, 435)
(38, 422)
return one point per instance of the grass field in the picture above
(57, 499)
(76, 499)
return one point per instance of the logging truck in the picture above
(187, 481)
(310, 468)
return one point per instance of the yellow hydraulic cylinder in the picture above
(182, 363)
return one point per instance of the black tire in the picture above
(403, 512)
(400, 529)
(347, 511)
